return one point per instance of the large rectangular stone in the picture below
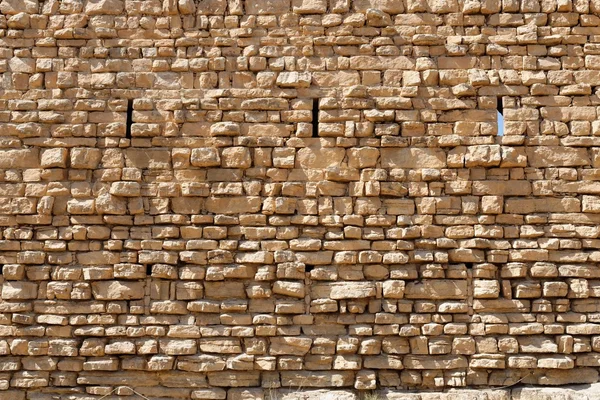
(26, 158)
(436, 289)
(413, 158)
(233, 205)
(557, 156)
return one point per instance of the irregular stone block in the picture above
(415, 158)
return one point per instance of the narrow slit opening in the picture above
(500, 116)
(149, 270)
(315, 118)
(308, 268)
(129, 120)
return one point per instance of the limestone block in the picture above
(557, 156)
(513, 157)
(205, 157)
(296, 79)
(483, 156)
(209, 394)
(236, 157)
(109, 204)
(292, 289)
(85, 158)
(211, 7)
(387, 6)
(413, 158)
(177, 347)
(267, 7)
(54, 158)
(221, 346)
(363, 157)
(117, 290)
(186, 6)
(148, 158)
(351, 290)
(288, 345)
(436, 289)
(234, 379)
(486, 289)
(317, 378)
(76, 206)
(27, 158)
(317, 157)
(393, 289)
(233, 205)
(435, 362)
(110, 7)
(224, 129)
(378, 17)
(13, 290)
(590, 204)
(11, 7)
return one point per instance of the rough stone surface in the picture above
(237, 199)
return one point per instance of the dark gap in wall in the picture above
(149, 270)
(129, 121)
(308, 268)
(469, 265)
(500, 116)
(315, 118)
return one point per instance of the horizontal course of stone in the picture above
(203, 196)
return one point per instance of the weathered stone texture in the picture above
(210, 199)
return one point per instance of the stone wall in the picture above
(200, 196)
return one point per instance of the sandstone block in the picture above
(557, 156)
(205, 157)
(267, 7)
(289, 345)
(19, 158)
(109, 7)
(436, 289)
(54, 158)
(413, 158)
(85, 158)
(125, 189)
(13, 290)
(12, 7)
(117, 290)
(233, 205)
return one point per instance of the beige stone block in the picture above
(233, 205)
(436, 289)
(317, 378)
(413, 158)
(486, 289)
(286, 288)
(54, 158)
(267, 7)
(85, 158)
(435, 362)
(317, 157)
(289, 345)
(98, 7)
(27, 158)
(483, 156)
(125, 189)
(117, 290)
(351, 290)
(13, 290)
(393, 289)
(557, 156)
